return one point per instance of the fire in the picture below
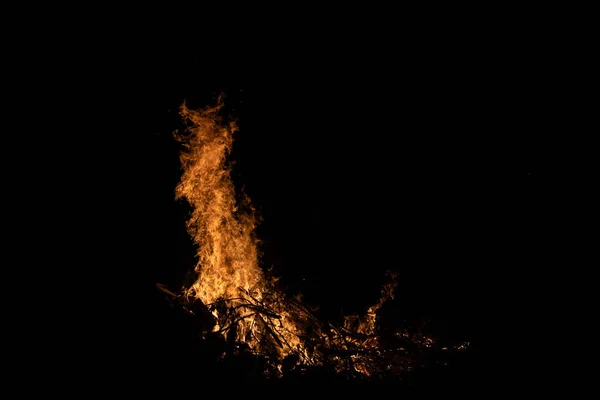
(223, 228)
(246, 304)
(227, 248)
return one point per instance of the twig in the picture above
(163, 289)
(235, 322)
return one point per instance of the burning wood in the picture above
(234, 298)
(347, 349)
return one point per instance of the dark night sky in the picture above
(428, 152)
(418, 175)
(426, 171)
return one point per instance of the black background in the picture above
(426, 173)
(428, 160)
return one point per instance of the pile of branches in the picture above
(344, 352)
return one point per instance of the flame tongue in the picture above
(223, 228)
(227, 248)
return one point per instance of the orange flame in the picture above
(224, 231)
(227, 248)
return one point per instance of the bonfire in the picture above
(236, 300)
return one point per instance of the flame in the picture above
(223, 228)
(227, 248)
(245, 302)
